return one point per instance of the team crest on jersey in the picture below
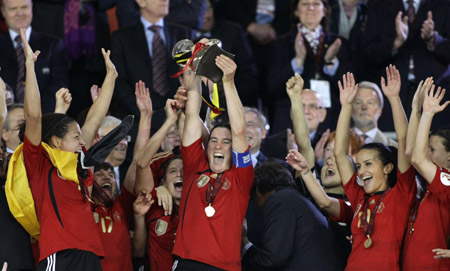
(116, 216)
(96, 217)
(226, 184)
(445, 179)
(161, 227)
(357, 210)
(202, 180)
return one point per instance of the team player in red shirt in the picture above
(428, 229)
(68, 236)
(216, 183)
(376, 243)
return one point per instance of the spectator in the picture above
(314, 53)
(143, 54)
(296, 235)
(51, 68)
(10, 133)
(431, 158)
(382, 196)
(234, 41)
(415, 37)
(366, 110)
(183, 12)
(200, 244)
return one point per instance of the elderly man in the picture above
(366, 109)
(51, 69)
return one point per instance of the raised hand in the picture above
(110, 68)
(347, 89)
(180, 97)
(300, 49)
(142, 203)
(63, 99)
(2, 85)
(29, 54)
(297, 161)
(427, 31)
(171, 110)
(143, 100)
(394, 82)
(95, 91)
(420, 93)
(433, 99)
(164, 199)
(401, 29)
(294, 85)
(333, 50)
(228, 66)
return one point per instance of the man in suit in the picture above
(134, 54)
(366, 110)
(416, 39)
(296, 234)
(51, 69)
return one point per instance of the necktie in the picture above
(159, 63)
(366, 138)
(411, 12)
(20, 86)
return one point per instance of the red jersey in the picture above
(64, 214)
(161, 237)
(212, 240)
(112, 224)
(390, 223)
(431, 228)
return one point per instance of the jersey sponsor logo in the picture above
(226, 184)
(202, 180)
(161, 227)
(445, 179)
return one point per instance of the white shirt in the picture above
(13, 34)
(254, 160)
(149, 34)
(416, 4)
(370, 134)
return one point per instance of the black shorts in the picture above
(190, 265)
(71, 260)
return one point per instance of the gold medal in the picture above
(368, 242)
(209, 210)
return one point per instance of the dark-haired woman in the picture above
(156, 225)
(380, 195)
(426, 238)
(311, 51)
(69, 239)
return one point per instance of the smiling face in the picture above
(371, 171)
(17, 13)
(173, 179)
(105, 179)
(253, 130)
(310, 13)
(71, 141)
(437, 152)
(366, 109)
(219, 149)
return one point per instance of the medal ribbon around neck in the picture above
(368, 227)
(212, 191)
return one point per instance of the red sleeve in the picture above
(406, 184)
(244, 177)
(353, 191)
(345, 213)
(441, 182)
(126, 200)
(33, 158)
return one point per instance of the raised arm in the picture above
(32, 101)
(299, 163)
(146, 154)
(391, 90)
(63, 99)
(415, 115)
(100, 107)
(347, 92)
(144, 104)
(294, 88)
(193, 123)
(234, 106)
(431, 106)
(141, 206)
(3, 110)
